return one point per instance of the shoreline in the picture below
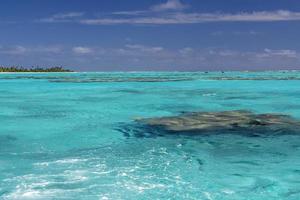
(220, 71)
(33, 72)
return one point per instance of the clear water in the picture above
(61, 137)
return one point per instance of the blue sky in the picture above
(133, 35)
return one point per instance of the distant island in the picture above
(33, 69)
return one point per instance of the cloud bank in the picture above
(196, 18)
(142, 57)
(170, 12)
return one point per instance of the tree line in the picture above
(33, 69)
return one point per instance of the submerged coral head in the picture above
(237, 122)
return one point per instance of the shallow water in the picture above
(67, 136)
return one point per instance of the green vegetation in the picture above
(33, 69)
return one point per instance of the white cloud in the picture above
(169, 5)
(280, 15)
(13, 50)
(227, 53)
(236, 33)
(82, 50)
(68, 15)
(194, 18)
(246, 33)
(134, 12)
(21, 50)
(144, 48)
(186, 51)
(258, 55)
(277, 53)
(62, 17)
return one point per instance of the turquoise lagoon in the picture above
(67, 136)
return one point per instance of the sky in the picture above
(151, 35)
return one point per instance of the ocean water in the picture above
(68, 136)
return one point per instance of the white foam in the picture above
(208, 195)
(27, 194)
(63, 161)
(227, 191)
(209, 94)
